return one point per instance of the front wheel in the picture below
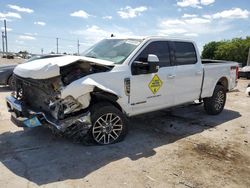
(109, 124)
(215, 104)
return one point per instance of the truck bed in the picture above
(213, 71)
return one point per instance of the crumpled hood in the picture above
(48, 68)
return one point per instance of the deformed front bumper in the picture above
(20, 115)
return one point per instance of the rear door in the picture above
(144, 96)
(188, 72)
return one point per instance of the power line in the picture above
(35, 35)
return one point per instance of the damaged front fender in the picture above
(82, 86)
(81, 89)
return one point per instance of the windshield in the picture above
(115, 50)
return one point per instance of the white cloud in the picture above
(189, 3)
(19, 42)
(107, 17)
(94, 33)
(197, 21)
(191, 35)
(80, 14)
(207, 16)
(234, 13)
(32, 34)
(172, 23)
(129, 12)
(10, 15)
(189, 16)
(40, 23)
(8, 29)
(20, 9)
(207, 2)
(194, 3)
(173, 31)
(191, 27)
(26, 37)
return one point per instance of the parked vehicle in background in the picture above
(89, 97)
(244, 72)
(6, 71)
(248, 90)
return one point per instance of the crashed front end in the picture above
(37, 102)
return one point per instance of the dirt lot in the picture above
(182, 147)
(10, 61)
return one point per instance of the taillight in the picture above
(236, 68)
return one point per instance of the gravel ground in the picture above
(181, 147)
(11, 61)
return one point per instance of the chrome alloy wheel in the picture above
(107, 128)
(219, 101)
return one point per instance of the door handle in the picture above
(171, 76)
(198, 73)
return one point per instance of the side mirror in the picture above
(151, 66)
(153, 58)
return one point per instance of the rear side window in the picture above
(159, 48)
(185, 53)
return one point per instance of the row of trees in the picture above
(232, 50)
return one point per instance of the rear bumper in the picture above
(20, 114)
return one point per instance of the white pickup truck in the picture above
(89, 97)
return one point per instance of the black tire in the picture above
(11, 82)
(114, 127)
(215, 104)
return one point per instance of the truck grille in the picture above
(35, 94)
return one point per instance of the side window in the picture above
(159, 48)
(185, 53)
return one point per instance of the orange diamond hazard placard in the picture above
(155, 84)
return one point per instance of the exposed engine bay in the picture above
(80, 69)
(44, 95)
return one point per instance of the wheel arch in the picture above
(98, 95)
(223, 81)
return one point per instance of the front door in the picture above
(153, 91)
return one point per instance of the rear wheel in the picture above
(215, 104)
(109, 124)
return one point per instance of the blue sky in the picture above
(36, 24)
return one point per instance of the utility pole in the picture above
(5, 35)
(78, 46)
(248, 59)
(57, 45)
(3, 41)
(42, 51)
